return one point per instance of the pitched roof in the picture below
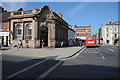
(117, 22)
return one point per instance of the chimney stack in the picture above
(60, 15)
(110, 21)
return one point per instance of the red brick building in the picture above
(82, 32)
(4, 27)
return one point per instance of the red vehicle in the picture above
(90, 41)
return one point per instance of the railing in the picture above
(26, 12)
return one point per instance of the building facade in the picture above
(4, 28)
(82, 32)
(100, 39)
(33, 26)
(111, 33)
(71, 36)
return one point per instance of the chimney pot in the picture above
(110, 21)
(60, 15)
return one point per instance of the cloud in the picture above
(15, 0)
(12, 6)
(77, 8)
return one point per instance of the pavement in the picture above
(81, 62)
(64, 52)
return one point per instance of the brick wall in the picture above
(5, 26)
(80, 31)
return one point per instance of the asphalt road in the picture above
(96, 62)
(99, 62)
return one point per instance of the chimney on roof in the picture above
(60, 15)
(21, 9)
(110, 21)
(75, 26)
(46, 7)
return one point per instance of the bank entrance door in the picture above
(44, 36)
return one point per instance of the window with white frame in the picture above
(115, 29)
(107, 35)
(19, 32)
(29, 31)
(107, 29)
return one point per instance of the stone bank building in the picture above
(33, 26)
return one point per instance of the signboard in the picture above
(4, 33)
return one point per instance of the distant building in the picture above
(110, 33)
(4, 27)
(96, 35)
(71, 36)
(33, 26)
(100, 39)
(82, 32)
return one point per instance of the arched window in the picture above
(19, 32)
(29, 31)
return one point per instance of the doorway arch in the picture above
(44, 35)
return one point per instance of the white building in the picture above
(4, 38)
(71, 36)
(111, 33)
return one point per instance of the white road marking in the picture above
(78, 53)
(111, 50)
(83, 49)
(101, 54)
(23, 70)
(113, 47)
(50, 70)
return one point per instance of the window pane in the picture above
(90, 38)
(29, 37)
(19, 36)
(19, 32)
(29, 31)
